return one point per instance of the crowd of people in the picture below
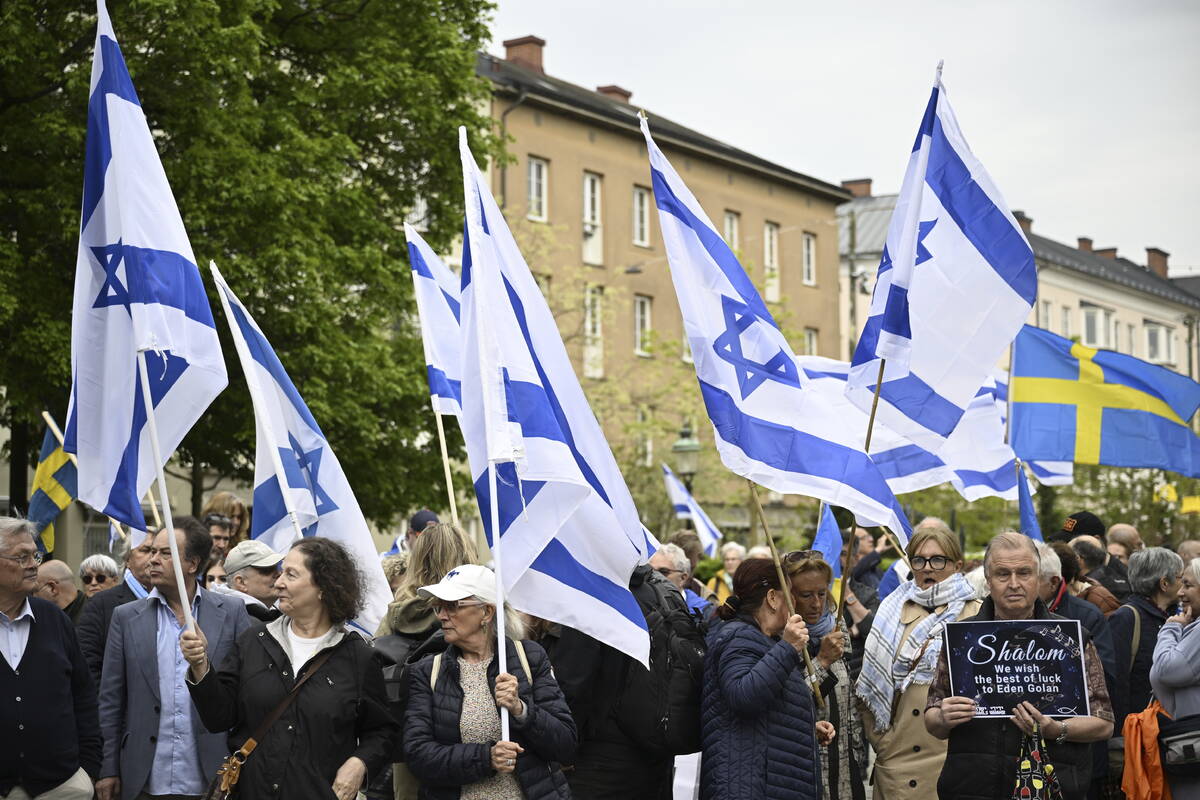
(771, 680)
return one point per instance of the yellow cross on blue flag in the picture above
(55, 485)
(1077, 403)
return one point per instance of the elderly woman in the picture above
(338, 729)
(452, 738)
(899, 661)
(98, 572)
(758, 720)
(1155, 575)
(844, 760)
(1175, 675)
(721, 584)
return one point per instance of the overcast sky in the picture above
(1085, 112)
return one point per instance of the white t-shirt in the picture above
(302, 649)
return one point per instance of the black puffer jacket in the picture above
(434, 749)
(340, 712)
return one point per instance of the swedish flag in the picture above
(1076, 403)
(55, 485)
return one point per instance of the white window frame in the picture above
(1092, 329)
(593, 218)
(812, 341)
(808, 259)
(1066, 321)
(641, 216)
(593, 332)
(1045, 322)
(771, 286)
(733, 233)
(1132, 329)
(538, 190)
(1110, 328)
(643, 324)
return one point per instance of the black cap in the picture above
(1081, 523)
(422, 520)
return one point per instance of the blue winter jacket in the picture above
(757, 717)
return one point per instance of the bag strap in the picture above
(437, 666)
(1137, 635)
(261, 731)
(433, 672)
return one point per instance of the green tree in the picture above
(297, 136)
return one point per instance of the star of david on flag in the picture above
(767, 425)
(956, 281)
(299, 486)
(137, 289)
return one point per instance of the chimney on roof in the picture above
(1085, 244)
(1156, 261)
(858, 187)
(1025, 222)
(525, 52)
(615, 92)
(1106, 252)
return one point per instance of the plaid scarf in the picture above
(890, 667)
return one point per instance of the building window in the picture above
(641, 216)
(642, 325)
(771, 261)
(539, 179)
(1066, 321)
(809, 259)
(1045, 322)
(593, 332)
(1132, 338)
(593, 238)
(1092, 330)
(733, 224)
(645, 439)
(1160, 343)
(810, 341)
(1110, 330)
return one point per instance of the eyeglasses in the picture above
(26, 559)
(87, 579)
(667, 572)
(453, 606)
(933, 562)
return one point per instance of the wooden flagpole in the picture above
(785, 588)
(441, 431)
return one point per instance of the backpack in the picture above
(659, 708)
(398, 653)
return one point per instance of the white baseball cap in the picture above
(469, 580)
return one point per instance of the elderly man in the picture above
(673, 564)
(981, 760)
(154, 742)
(251, 569)
(1122, 541)
(56, 583)
(1188, 550)
(47, 700)
(97, 614)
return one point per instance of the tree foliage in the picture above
(296, 136)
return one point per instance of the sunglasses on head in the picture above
(87, 579)
(802, 555)
(219, 519)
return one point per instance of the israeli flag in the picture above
(686, 507)
(438, 305)
(975, 460)
(828, 541)
(570, 533)
(137, 289)
(956, 282)
(299, 486)
(767, 426)
(1047, 473)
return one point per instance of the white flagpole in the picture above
(437, 416)
(148, 402)
(501, 645)
(257, 400)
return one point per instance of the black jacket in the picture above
(92, 627)
(981, 755)
(433, 746)
(1131, 686)
(340, 712)
(47, 708)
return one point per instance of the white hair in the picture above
(759, 551)
(98, 562)
(1049, 564)
(678, 558)
(11, 527)
(732, 548)
(1148, 567)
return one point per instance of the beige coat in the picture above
(908, 759)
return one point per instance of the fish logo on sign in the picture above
(750, 374)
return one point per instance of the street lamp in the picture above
(686, 450)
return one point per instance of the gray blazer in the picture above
(129, 694)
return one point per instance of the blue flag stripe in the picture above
(558, 563)
(115, 80)
(918, 400)
(440, 385)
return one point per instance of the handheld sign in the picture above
(1000, 663)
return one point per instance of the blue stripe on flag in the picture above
(987, 227)
(268, 507)
(442, 386)
(895, 313)
(512, 502)
(900, 462)
(1001, 478)
(789, 450)
(455, 306)
(529, 406)
(717, 249)
(682, 510)
(114, 80)
(918, 400)
(418, 263)
(927, 120)
(166, 278)
(558, 563)
(262, 352)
